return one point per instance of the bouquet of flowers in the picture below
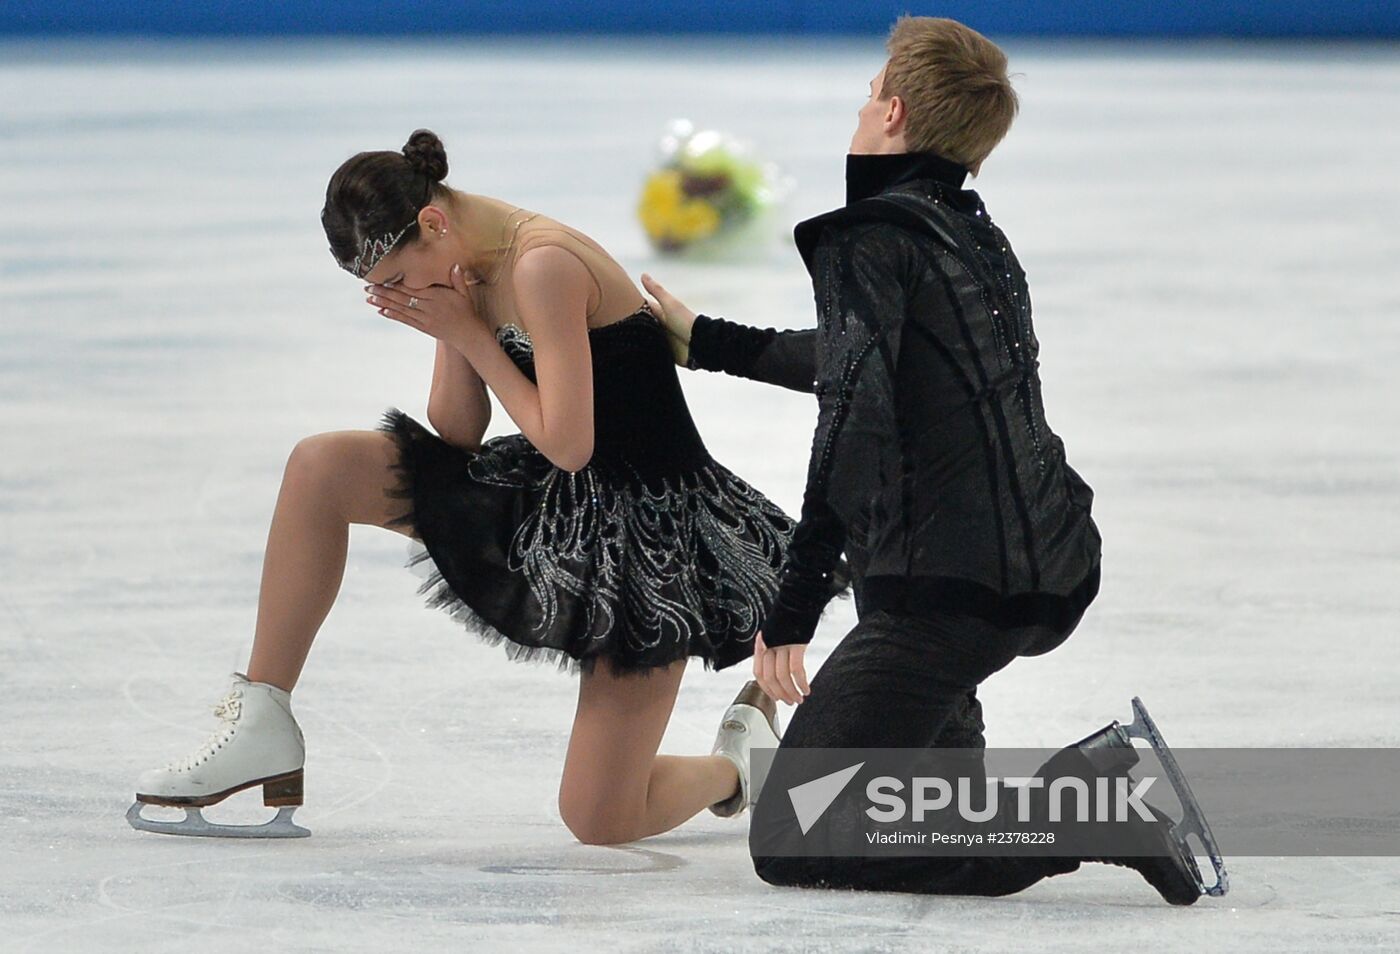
(709, 197)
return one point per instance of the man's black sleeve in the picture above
(784, 358)
(859, 282)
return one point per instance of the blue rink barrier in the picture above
(1064, 18)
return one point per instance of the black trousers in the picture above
(909, 682)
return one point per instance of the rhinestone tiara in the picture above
(373, 250)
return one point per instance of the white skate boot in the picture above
(751, 721)
(259, 743)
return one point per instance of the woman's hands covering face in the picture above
(446, 314)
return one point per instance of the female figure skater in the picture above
(602, 536)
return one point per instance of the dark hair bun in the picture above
(425, 153)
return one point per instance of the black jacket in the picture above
(933, 467)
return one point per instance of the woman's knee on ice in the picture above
(595, 821)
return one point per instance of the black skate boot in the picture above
(1162, 860)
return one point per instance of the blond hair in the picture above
(957, 96)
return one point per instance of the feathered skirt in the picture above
(574, 566)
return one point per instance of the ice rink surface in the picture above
(1210, 237)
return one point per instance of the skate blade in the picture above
(1193, 820)
(194, 823)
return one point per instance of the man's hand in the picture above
(674, 315)
(779, 671)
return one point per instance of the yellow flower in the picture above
(669, 217)
(661, 196)
(663, 189)
(698, 219)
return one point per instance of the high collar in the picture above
(868, 175)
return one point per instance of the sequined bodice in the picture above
(640, 417)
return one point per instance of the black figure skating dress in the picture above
(651, 553)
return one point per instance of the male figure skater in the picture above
(933, 468)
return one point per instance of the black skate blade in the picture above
(1193, 820)
(194, 824)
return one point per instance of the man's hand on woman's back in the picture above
(674, 315)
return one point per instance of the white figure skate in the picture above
(259, 743)
(751, 721)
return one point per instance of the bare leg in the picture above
(615, 787)
(331, 481)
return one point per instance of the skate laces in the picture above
(228, 709)
(230, 706)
